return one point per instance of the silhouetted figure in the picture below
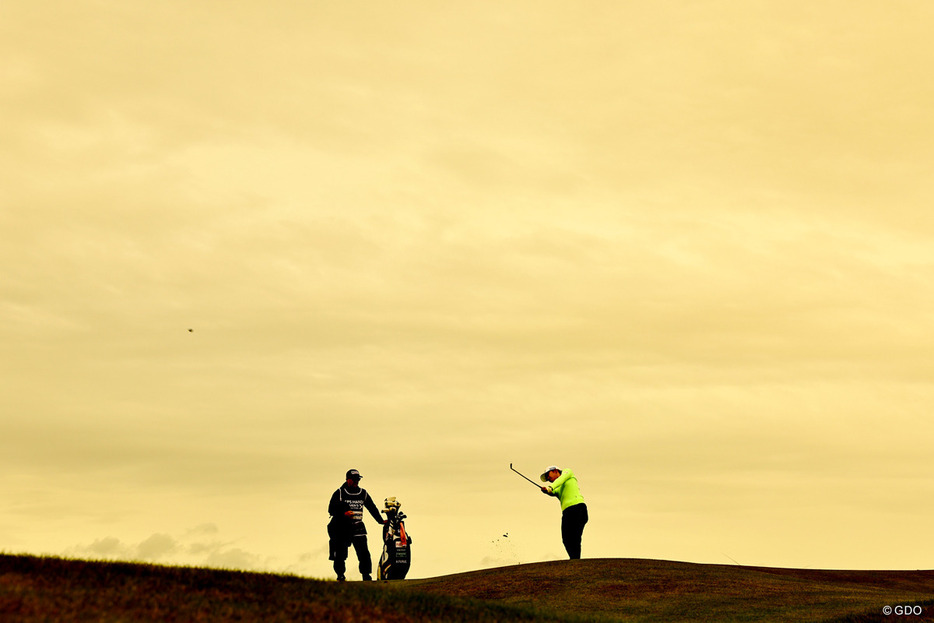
(573, 510)
(346, 526)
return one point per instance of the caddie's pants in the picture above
(340, 548)
(573, 520)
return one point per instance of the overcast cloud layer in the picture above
(683, 248)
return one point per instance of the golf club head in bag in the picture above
(397, 544)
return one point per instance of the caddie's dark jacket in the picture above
(354, 499)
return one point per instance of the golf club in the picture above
(524, 476)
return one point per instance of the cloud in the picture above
(187, 548)
(156, 546)
(316, 554)
(108, 546)
(234, 558)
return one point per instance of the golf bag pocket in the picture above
(338, 539)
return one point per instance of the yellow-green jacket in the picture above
(566, 489)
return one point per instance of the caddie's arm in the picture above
(371, 506)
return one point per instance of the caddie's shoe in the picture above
(367, 578)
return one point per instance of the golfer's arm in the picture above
(563, 478)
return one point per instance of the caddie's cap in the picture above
(547, 470)
(354, 474)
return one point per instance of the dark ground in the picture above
(36, 589)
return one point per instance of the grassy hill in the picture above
(652, 590)
(52, 589)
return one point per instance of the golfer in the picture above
(346, 525)
(573, 510)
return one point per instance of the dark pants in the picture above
(573, 520)
(339, 549)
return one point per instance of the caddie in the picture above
(346, 527)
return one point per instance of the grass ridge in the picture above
(45, 588)
(42, 588)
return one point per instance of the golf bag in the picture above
(397, 545)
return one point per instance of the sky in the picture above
(682, 248)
